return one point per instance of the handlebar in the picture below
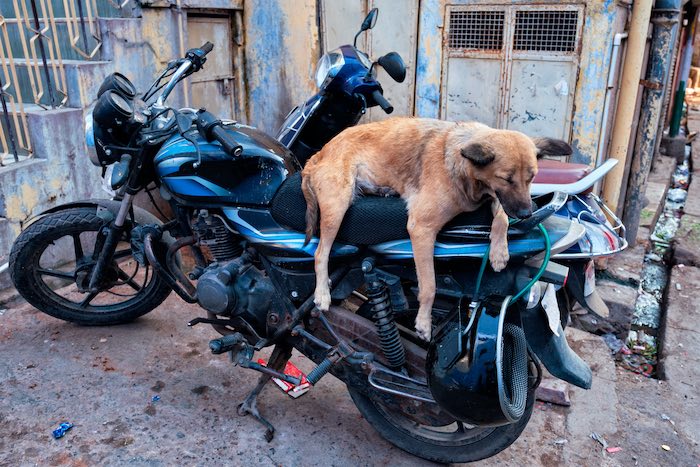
(207, 47)
(193, 62)
(382, 102)
(211, 128)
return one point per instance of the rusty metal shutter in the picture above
(512, 66)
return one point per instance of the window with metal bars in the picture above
(480, 30)
(545, 30)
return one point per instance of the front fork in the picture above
(114, 233)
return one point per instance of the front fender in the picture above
(106, 209)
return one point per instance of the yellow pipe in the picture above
(629, 87)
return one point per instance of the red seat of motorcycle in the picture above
(551, 171)
(369, 220)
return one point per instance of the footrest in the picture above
(399, 384)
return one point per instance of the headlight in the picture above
(90, 140)
(328, 67)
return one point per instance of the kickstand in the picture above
(278, 360)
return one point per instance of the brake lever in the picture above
(184, 125)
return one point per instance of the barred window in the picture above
(481, 30)
(546, 30)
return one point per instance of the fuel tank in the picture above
(250, 179)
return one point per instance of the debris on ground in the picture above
(560, 441)
(666, 418)
(665, 447)
(613, 342)
(155, 398)
(600, 439)
(642, 355)
(613, 450)
(291, 370)
(554, 391)
(61, 430)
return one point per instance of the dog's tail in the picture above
(311, 208)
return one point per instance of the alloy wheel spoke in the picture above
(78, 247)
(128, 280)
(86, 301)
(62, 274)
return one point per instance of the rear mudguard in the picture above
(553, 351)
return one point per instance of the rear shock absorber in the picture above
(383, 315)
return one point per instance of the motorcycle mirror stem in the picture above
(368, 23)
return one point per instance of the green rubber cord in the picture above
(524, 290)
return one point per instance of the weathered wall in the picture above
(596, 46)
(61, 172)
(281, 48)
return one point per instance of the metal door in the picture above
(512, 67)
(213, 87)
(396, 30)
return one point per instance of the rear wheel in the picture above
(51, 264)
(456, 442)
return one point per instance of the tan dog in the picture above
(440, 169)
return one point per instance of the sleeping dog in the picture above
(440, 169)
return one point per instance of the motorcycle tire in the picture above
(474, 443)
(26, 273)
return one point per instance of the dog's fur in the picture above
(440, 169)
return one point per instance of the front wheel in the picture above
(456, 442)
(51, 264)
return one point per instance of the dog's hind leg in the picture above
(498, 255)
(332, 207)
(423, 242)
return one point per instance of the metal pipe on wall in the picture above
(631, 72)
(683, 74)
(665, 19)
(612, 79)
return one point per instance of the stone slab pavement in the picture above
(103, 379)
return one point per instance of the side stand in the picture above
(279, 358)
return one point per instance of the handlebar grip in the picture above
(227, 142)
(207, 47)
(382, 102)
(210, 127)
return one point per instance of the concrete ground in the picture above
(102, 379)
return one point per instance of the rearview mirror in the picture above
(394, 66)
(370, 19)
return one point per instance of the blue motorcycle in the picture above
(234, 244)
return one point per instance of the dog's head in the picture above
(505, 162)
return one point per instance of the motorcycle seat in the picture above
(555, 172)
(369, 220)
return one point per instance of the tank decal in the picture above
(194, 186)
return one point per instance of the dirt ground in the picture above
(103, 379)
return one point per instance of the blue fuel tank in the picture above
(251, 179)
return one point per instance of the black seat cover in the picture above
(370, 219)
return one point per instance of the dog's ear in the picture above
(480, 154)
(551, 147)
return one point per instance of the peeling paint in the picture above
(282, 47)
(596, 51)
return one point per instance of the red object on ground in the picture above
(613, 450)
(291, 370)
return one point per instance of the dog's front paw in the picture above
(322, 299)
(423, 327)
(499, 258)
